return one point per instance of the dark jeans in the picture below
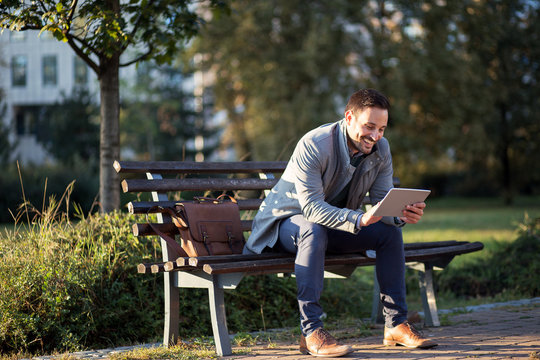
(311, 241)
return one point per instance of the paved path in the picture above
(495, 331)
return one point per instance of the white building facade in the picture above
(35, 70)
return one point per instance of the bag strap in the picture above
(170, 240)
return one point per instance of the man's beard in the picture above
(359, 145)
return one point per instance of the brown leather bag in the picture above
(209, 226)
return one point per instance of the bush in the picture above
(512, 267)
(70, 285)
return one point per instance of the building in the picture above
(35, 71)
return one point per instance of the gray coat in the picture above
(318, 170)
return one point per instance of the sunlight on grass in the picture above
(182, 351)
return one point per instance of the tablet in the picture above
(397, 199)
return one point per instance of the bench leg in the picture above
(219, 320)
(427, 291)
(172, 311)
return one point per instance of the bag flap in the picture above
(212, 217)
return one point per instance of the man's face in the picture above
(366, 127)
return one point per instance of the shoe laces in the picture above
(325, 337)
(414, 330)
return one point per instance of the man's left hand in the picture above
(413, 213)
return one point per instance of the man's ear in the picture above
(349, 116)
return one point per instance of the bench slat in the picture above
(164, 185)
(201, 260)
(287, 264)
(143, 229)
(142, 207)
(183, 167)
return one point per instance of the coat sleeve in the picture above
(310, 163)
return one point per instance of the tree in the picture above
(463, 83)
(503, 38)
(281, 69)
(159, 118)
(100, 32)
(72, 129)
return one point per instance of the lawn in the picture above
(484, 220)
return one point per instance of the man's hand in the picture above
(368, 218)
(413, 213)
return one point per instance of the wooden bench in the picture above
(248, 182)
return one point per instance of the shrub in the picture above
(512, 267)
(68, 285)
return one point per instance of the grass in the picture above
(464, 219)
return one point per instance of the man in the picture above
(316, 208)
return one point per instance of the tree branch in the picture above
(87, 59)
(138, 22)
(139, 58)
(72, 11)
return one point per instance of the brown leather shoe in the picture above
(405, 334)
(320, 343)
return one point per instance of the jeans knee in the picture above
(393, 237)
(314, 237)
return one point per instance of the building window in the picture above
(19, 68)
(80, 71)
(49, 71)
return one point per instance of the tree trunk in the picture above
(109, 148)
(505, 158)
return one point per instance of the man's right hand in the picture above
(368, 218)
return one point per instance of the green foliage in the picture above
(99, 32)
(68, 285)
(461, 76)
(281, 70)
(107, 28)
(73, 128)
(158, 119)
(511, 267)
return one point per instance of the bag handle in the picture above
(217, 200)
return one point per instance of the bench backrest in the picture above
(168, 182)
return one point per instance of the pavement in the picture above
(494, 331)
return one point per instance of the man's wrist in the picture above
(359, 222)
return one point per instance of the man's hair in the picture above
(367, 98)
